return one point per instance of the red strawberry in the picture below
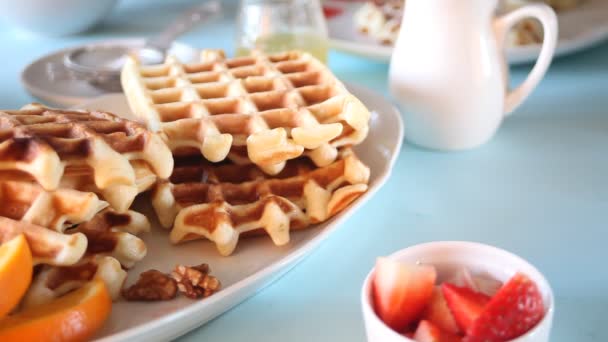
(515, 309)
(487, 285)
(409, 334)
(401, 291)
(463, 278)
(330, 11)
(438, 313)
(428, 332)
(465, 304)
(477, 283)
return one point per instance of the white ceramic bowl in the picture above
(54, 17)
(448, 256)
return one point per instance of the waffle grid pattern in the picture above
(56, 147)
(257, 109)
(221, 203)
(112, 246)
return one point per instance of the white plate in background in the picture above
(62, 91)
(256, 262)
(579, 29)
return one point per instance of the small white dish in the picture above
(256, 262)
(55, 17)
(579, 29)
(448, 257)
(63, 90)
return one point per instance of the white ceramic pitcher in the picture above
(449, 74)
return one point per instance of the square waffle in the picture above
(49, 145)
(260, 109)
(47, 246)
(221, 202)
(56, 210)
(112, 246)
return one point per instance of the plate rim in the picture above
(75, 100)
(278, 268)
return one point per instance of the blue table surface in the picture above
(538, 189)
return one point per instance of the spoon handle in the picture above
(184, 23)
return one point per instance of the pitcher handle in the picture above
(548, 19)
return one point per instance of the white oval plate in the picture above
(256, 262)
(63, 91)
(579, 29)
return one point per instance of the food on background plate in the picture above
(381, 20)
(406, 298)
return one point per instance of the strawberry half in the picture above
(438, 313)
(428, 332)
(477, 283)
(401, 291)
(465, 304)
(330, 11)
(515, 309)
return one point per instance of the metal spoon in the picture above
(100, 64)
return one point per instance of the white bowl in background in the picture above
(54, 17)
(448, 257)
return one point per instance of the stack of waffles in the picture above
(261, 143)
(67, 180)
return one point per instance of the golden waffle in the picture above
(221, 202)
(47, 246)
(48, 143)
(54, 281)
(120, 198)
(57, 210)
(114, 234)
(258, 109)
(112, 246)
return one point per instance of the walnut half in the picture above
(195, 281)
(152, 285)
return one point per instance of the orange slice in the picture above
(73, 317)
(15, 272)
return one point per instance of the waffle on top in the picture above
(261, 109)
(220, 202)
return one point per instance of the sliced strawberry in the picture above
(463, 278)
(428, 332)
(487, 285)
(401, 291)
(516, 308)
(465, 304)
(438, 313)
(331, 11)
(478, 283)
(409, 334)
